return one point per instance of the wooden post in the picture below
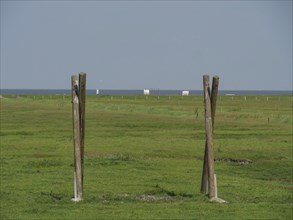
(78, 117)
(209, 136)
(213, 101)
(214, 96)
(76, 140)
(204, 178)
(216, 187)
(82, 97)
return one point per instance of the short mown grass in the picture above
(143, 158)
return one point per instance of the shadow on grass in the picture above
(111, 159)
(50, 197)
(161, 191)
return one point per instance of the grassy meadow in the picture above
(144, 156)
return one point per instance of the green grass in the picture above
(143, 158)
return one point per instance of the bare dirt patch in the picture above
(155, 198)
(237, 161)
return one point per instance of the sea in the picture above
(140, 92)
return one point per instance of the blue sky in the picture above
(146, 44)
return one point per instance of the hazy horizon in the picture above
(141, 89)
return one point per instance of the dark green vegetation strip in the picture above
(143, 158)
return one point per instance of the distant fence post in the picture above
(78, 117)
(208, 182)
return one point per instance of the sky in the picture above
(146, 44)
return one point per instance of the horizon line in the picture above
(155, 89)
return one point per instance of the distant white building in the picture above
(185, 93)
(97, 92)
(146, 91)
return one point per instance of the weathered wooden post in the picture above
(213, 98)
(82, 97)
(204, 178)
(209, 179)
(78, 116)
(209, 136)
